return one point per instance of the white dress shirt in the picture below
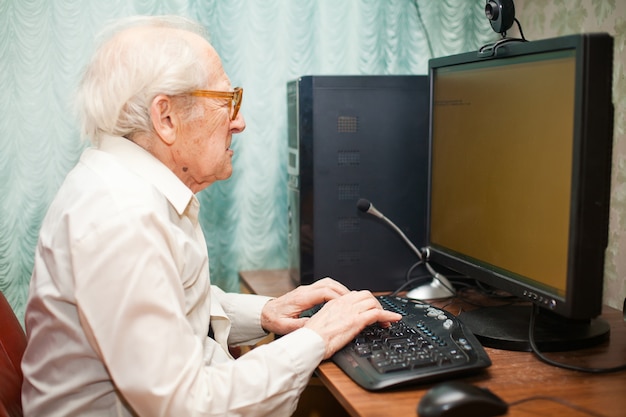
(120, 304)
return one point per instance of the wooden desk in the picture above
(270, 282)
(513, 376)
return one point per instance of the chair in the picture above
(12, 345)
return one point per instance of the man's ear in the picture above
(163, 118)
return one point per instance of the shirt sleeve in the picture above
(244, 312)
(268, 380)
(132, 308)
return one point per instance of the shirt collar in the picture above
(148, 167)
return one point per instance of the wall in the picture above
(263, 44)
(544, 19)
(44, 44)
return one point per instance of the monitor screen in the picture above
(520, 164)
(506, 202)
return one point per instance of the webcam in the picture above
(501, 14)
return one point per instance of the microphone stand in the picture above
(439, 287)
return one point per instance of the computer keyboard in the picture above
(427, 344)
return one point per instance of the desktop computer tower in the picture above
(352, 137)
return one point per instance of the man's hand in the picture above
(341, 319)
(343, 316)
(282, 315)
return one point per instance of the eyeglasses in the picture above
(234, 96)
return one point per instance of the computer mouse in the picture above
(460, 399)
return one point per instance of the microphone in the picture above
(439, 287)
(367, 207)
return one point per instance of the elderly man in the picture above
(122, 319)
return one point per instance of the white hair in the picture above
(126, 73)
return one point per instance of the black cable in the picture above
(411, 269)
(457, 280)
(420, 279)
(543, 358)
(519, 26)
(433, 275)
(421, 21)
(494, 47)
(411, 281)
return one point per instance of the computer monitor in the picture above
(520, 165)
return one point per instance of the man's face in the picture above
(202, 150)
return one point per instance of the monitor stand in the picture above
(506, 327)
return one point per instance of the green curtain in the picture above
(263, 44)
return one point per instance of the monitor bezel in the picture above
(591, 171)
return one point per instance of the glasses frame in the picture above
(234, 96)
